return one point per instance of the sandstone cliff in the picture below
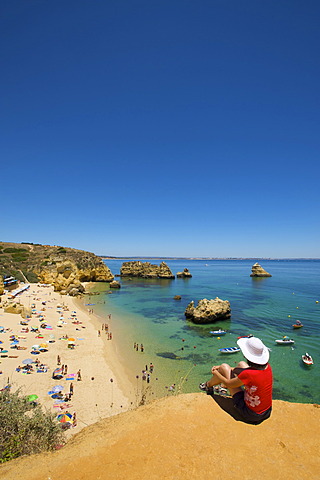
(1, 285)
(258, 271)
(145, 270)
(65, 268)
(208, 311)
(184, 437)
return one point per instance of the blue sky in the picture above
(165, 128)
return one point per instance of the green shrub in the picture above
(25, 428)
(14, 250)
(31, 277)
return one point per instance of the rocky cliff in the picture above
(65, 268)
(208, 311)
(184, 437)
(145, 270)
(258, 271)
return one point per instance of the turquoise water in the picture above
(144, 311)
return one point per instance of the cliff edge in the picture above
(182, 438)
(63, 267)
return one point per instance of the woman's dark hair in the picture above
(256, 366)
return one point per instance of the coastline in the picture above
(103, 390)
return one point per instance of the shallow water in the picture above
(144, 311)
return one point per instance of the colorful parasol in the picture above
(64, 417)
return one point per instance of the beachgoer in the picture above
(79, 375)
(141, 347)
(74, 419)
(254, 402)
(151, 367)
(58, 360)
(71, 388)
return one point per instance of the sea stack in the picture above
(145, 270)
(184, 274)
(208, 311)
(258, 271)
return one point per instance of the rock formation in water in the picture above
(258, 271)
(184, 274)
(115, 284)
(208, 311)
(145, 270)
(63, 267)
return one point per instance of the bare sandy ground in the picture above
(184, 437)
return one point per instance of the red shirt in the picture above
(258, 388)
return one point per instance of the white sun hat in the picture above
(254, 350)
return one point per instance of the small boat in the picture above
(307, 359)
(246, 336)
(229, 350)
(285, 341)
(297, 324)
(217, 333)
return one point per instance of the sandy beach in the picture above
(102, 391)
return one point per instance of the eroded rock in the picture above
(184, 274)
(145, 270)
(208, 311)
(258, 271)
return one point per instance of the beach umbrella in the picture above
(35, 347)
(64, 417)
(32, 398)
(27, 361)
(43, 345)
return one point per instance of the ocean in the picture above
(145, 312)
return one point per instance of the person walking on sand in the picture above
(79, 375)
(74, 419)
(58, 360)
(250, 383)
(71, 389)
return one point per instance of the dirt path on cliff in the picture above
(181, 438)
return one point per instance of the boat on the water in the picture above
(217, 333)
(285, 341)
(246, 336)
(229, 350)
(307, 359)
(298, 324)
